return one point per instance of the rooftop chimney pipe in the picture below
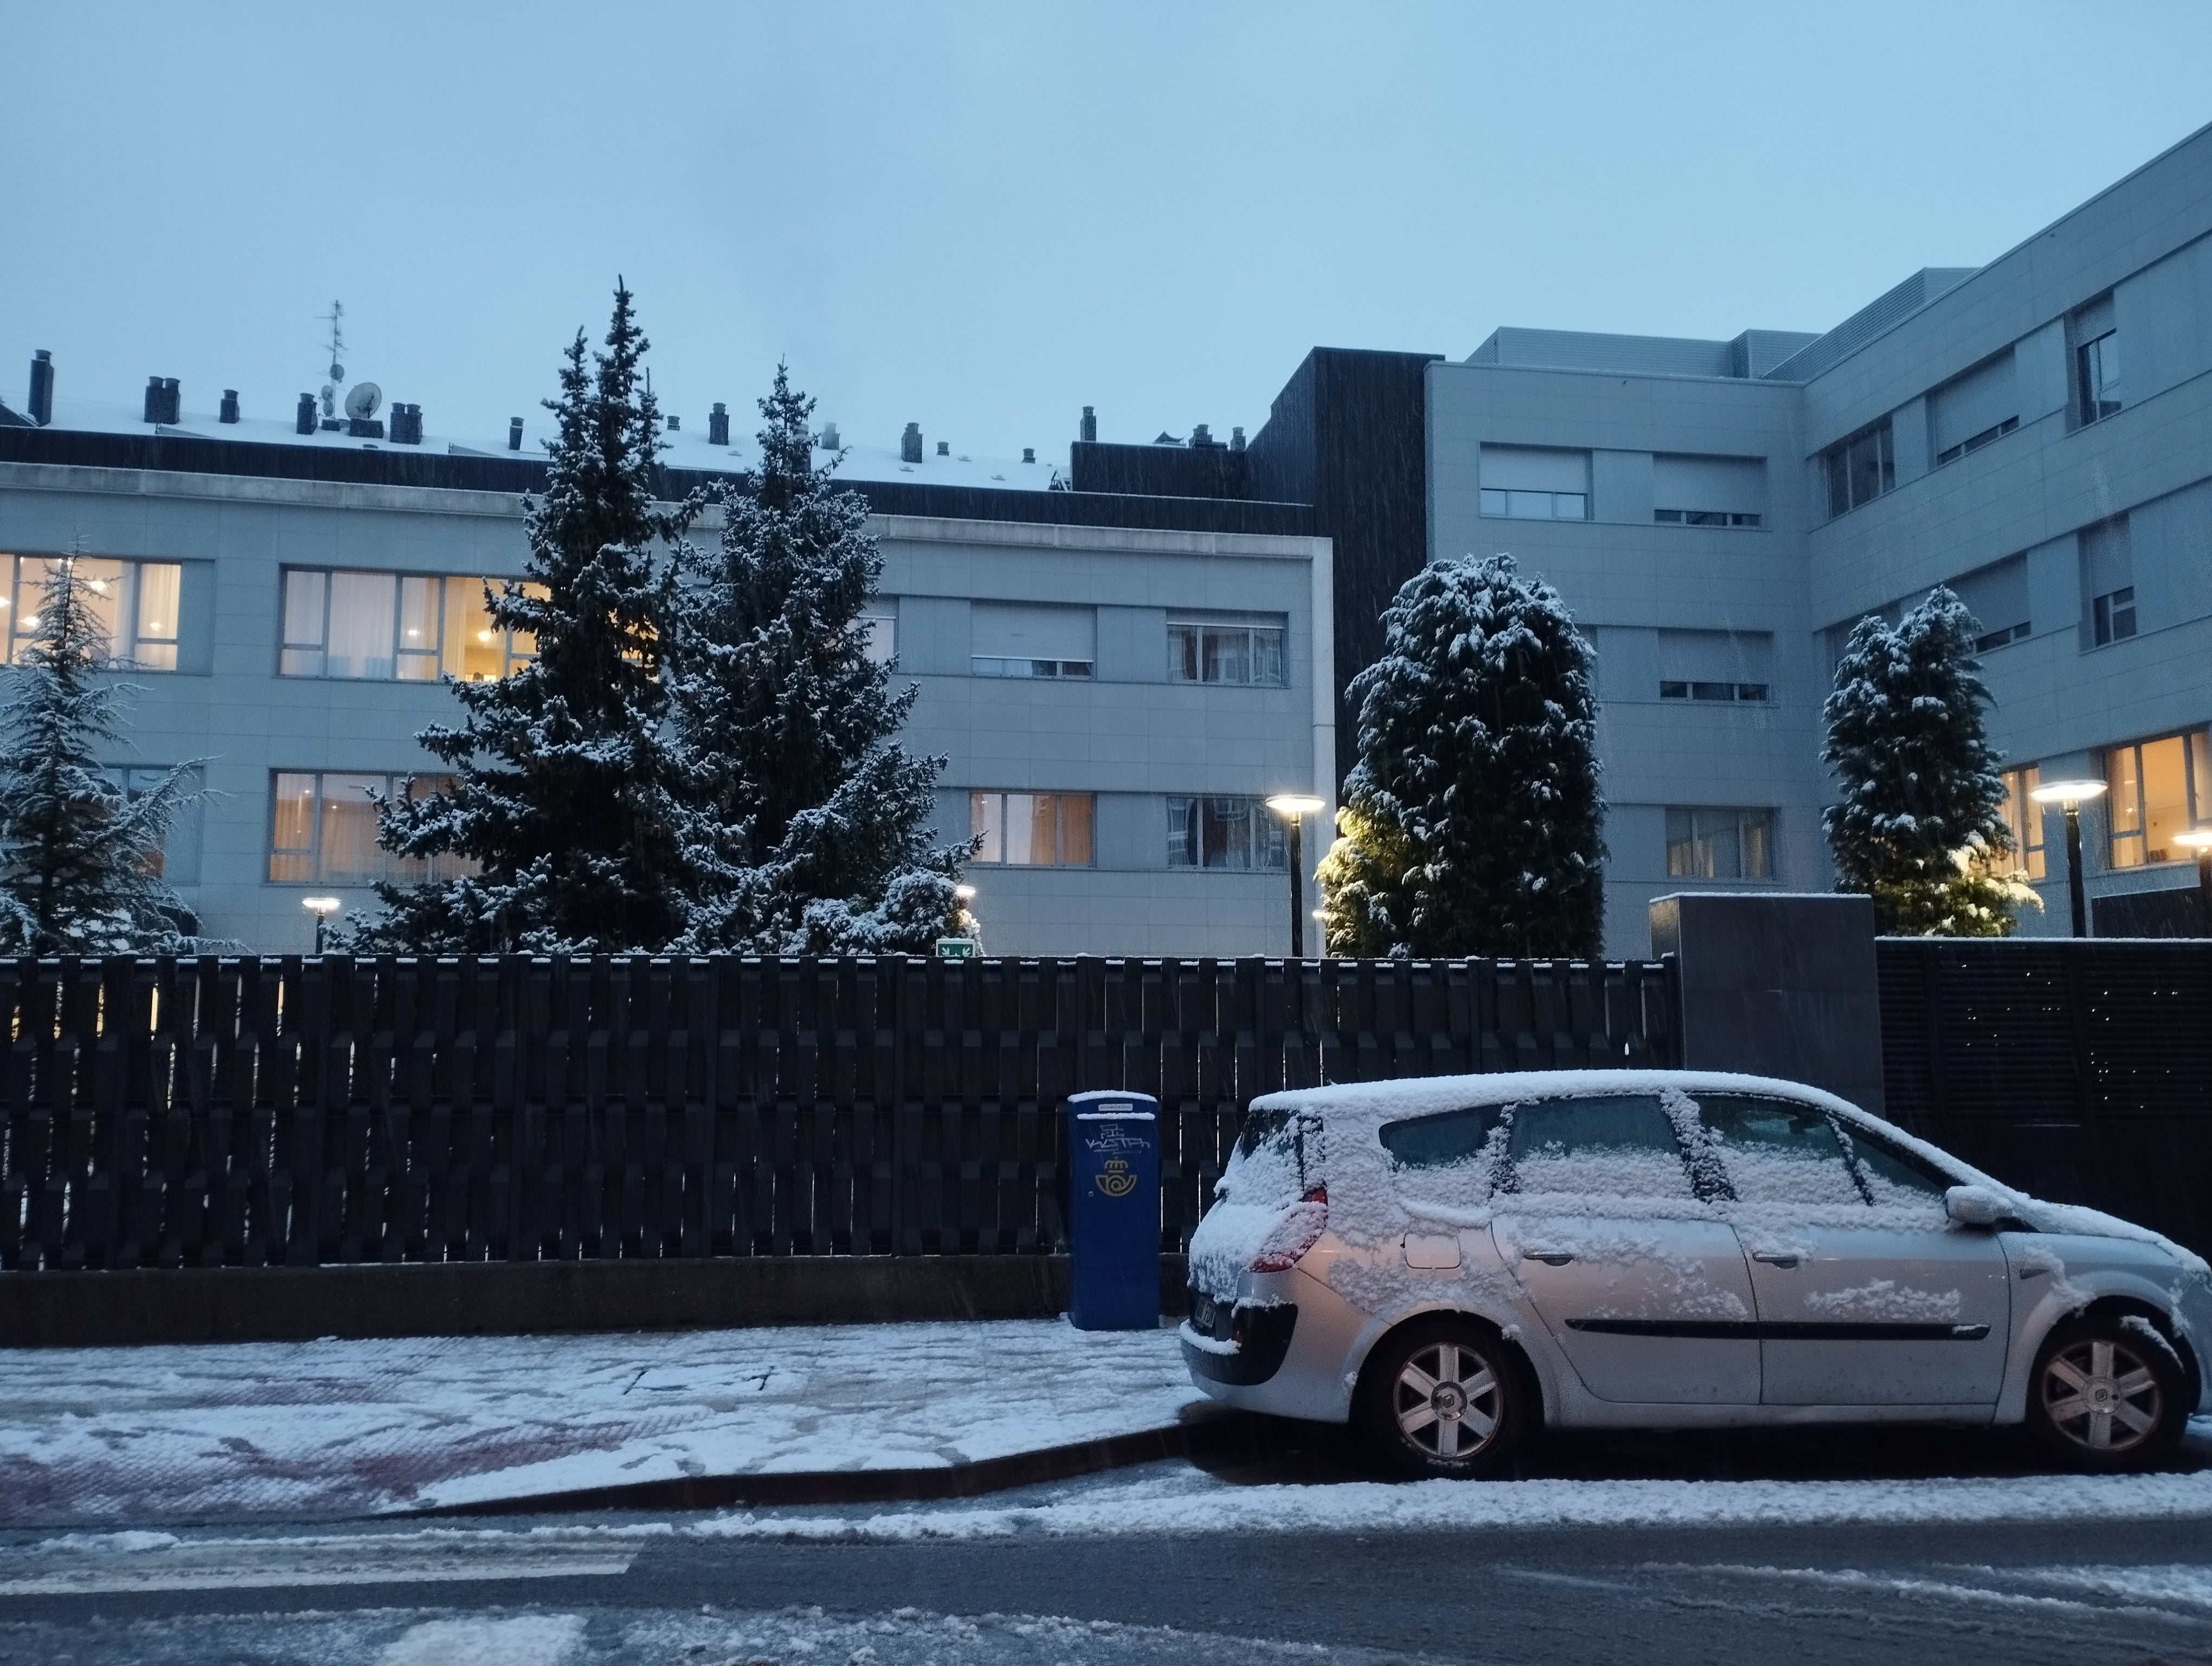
(944, 448)
(406, 424)
(42, 388)
(514, 434)
(1089, 430)
(163, 401)
(910, 444)
(229, 412)
(718, 424)
(304, 421)
(829, 440)
(1237, 439)
(1028, 453)
(675, 423)
(1200, 438)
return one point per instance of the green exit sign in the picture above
(956, 948)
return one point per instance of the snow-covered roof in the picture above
(686, 448)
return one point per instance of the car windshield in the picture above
(1278, 1153)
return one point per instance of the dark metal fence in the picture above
(241, 1112)
(2080, 1071)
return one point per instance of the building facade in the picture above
(1121, 659)
(1114, 702)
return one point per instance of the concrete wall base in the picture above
(479, 1298)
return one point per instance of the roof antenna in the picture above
(336, 319)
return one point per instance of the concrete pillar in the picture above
(1776, 984)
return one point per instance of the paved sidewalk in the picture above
(151, 1436)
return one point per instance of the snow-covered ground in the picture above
(1177, 1499)
(153, 1435)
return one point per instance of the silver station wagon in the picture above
(1451, 1262)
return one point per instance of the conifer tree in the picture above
(563, 795)
(77, 854)
(1919, 824)
(1472, 824)
(814, 821)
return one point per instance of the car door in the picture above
(1867, 1294)
(1643, 1289)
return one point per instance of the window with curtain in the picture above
(134, 604)
(1225, 833)
(322, 829)
(2153, 790)
(353, 625)
(1031, 829)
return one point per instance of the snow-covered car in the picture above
(1451, 1262)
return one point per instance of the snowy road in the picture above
(2053, 1592)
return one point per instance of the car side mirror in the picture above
(1975, 1206)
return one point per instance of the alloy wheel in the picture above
(2102, 1395)
(1447, 1401)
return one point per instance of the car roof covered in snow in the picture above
(1417, 1095)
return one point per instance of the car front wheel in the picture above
(2107, 1393)
(1443, 1398)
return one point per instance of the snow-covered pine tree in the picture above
(818, 820)
(1472, 824)
(563, 781)
(76, 853)
(1919, 824)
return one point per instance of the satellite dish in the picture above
(362, 400)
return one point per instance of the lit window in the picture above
(323, 828)
(2023, 816)
(1031, 829)
(1224, 832)
(1200, 651)
(134, 604)
(1860, 469)
(405, 627)
(2155, 789)
(1719, 843)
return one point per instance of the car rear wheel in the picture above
(1443, 1398)
(2107, 1393)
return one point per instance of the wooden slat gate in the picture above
(250, 1112)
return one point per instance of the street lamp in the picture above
(2199, 839)
(322, 908)
(2069, 795)
(1294, 808)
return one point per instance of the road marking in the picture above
(87, 1565)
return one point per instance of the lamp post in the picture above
(2199, 839)
(1294, 808)
(322, 908)
(2070, 796)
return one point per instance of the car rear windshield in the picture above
(1285, 1140)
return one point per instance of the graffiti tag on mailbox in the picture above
(1113, 1137)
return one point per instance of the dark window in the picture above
(2114, 615)
(1199, 651)
(1888, 1170)
(1450, 1136)
(1976, 441)
(2097, 369)
(1224, 832)
(2004, 638)
(1777, 1151)
(1860, 469)
(1720, 844)
(1729, 691)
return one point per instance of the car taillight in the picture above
(1302, 1223)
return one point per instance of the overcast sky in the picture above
(981, 218)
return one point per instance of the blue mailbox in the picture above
(1114, 1211)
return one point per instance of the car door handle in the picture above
(1549, 1257)
(1775, 1258)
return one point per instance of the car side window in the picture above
(1895, 1176)
(1440, 1140)
(1612, 1145)
(1777, 1151)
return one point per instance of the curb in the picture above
(1206, 1436)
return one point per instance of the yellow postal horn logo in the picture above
(1117, 1180)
